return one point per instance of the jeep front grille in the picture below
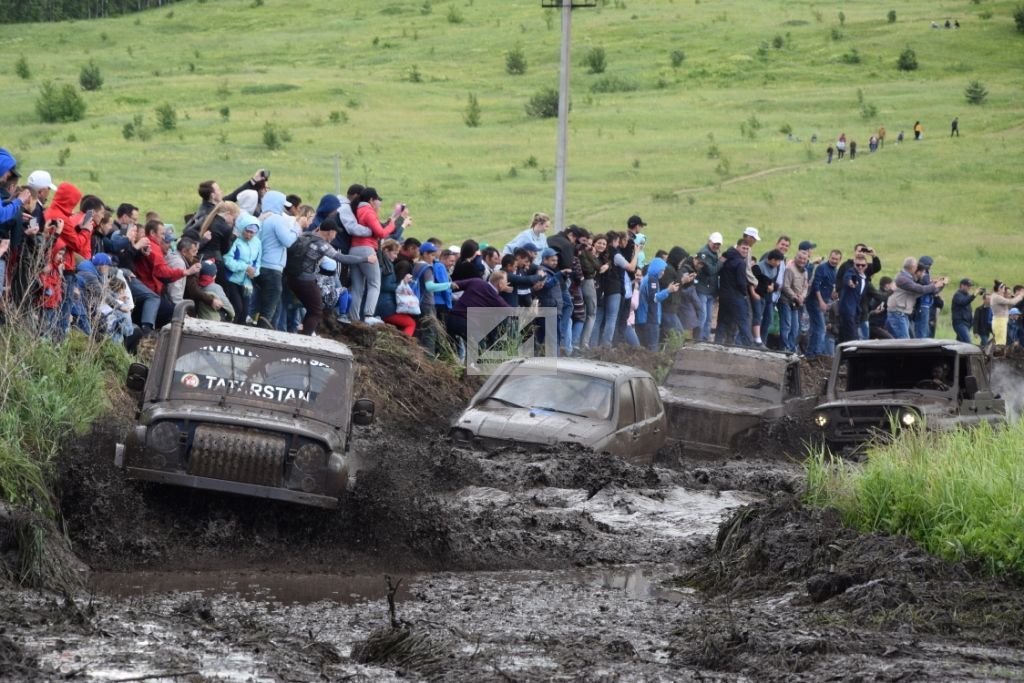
(234, 454)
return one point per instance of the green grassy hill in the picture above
(692, 148)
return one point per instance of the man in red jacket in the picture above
(153, 271)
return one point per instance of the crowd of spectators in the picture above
(257, 256)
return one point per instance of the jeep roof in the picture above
(910, 345)
(247, 334)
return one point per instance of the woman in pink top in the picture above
(366, 276)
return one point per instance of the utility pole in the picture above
(561, 158)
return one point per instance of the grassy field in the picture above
(958, 493)
(692, 149)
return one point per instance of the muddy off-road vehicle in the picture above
(608, 407)
(244, 410)
(722, 399)
(879, 387)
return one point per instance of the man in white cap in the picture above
(42, 183)
(707, 281)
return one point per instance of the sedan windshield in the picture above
(562, 392)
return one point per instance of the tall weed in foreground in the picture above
(959, 494)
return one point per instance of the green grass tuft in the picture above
(959, 494)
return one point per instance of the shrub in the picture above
(59, 103)
(338, 117)
(274, 136)
(472, 114)
(225, 113)
(543, 105)
(677, 57)
(62, 156)
(613, 84)
(426, 8)
(1018, 18)
(891, 16)
(842, 18)
(595, 60)
(836, 34)
(851, 57)
(515, 61)
(414, 75)
(786, 129)
(454, 15)
(166, 117)
(907, 60)
(90, 77)
(975, 92)
(21, 68)
(778, 41)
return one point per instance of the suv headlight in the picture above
(908, 418)
(821, 419)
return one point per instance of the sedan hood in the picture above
(532, 426)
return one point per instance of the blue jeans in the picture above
(922, 330)
(629, 336)
(671, 322)
(762, 312)
(565, 320)
(577, 334)
(816, 335)
(963, 332)
(147, 299)
(898, 325)
(789, 325)
(607, 317)
(649, 335)
(269, 285)
(733, 320)
(706, 311)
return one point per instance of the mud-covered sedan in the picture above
(607, 407)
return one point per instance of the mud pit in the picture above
(521, 564)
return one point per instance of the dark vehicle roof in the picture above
(910, 345)
(591, 368)
(247, 334)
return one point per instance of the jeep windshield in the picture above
(562, 392)
(869, 371)
(272, 377)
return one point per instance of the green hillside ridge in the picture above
(672, 150)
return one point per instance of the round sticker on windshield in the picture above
(190, 380)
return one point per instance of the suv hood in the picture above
(923, 403)
(532, 426)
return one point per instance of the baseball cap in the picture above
(530, 246)
(635, 221)
(925, 261)
(371, 193)
(427, 248)
(715, 238)
(101, 260)
(752, 232)
(806, 245)
(967, 281)
(1014, 311)
(209, 268)
(452, 250)
(548, 253)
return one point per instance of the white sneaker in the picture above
(373, 320)
(345, 319)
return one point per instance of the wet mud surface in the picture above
(514, 565)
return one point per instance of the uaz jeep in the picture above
(245, 410)
(881, 386)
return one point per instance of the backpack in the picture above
(297, 253)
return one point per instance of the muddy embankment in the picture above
(520, 564)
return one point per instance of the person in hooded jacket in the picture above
(277, 233)
(691, 308)
(9, 210)
(51, 291)
(365, 276)
(648, 311)
(733, 304)
(670, 308)
(243, 264)
(62, 208)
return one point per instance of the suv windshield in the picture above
(279, 376)
(896, 370)
(563, 392)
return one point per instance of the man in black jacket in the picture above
(565, 244)
(963, 316)
(733, 302)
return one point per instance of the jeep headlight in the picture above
(908, 418)
(821, 419)
(309, 458)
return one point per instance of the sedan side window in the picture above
(645, 394)
(627, 410)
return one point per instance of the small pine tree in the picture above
(595, 60)
(21, 68)
(472, 115)
(90, 77)
(677, 57)
(891, 16)
(907, 60)
(59, 104)
(975, 92)
(515, 61)
(166, 117)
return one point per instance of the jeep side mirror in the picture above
(970, 386)
(824, 386)
(137, 374)
(362, 412)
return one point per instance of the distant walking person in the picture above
(918, 130)
(954, 128)
(881, 136)
(828, 152)
(841, 145)
(853, 150)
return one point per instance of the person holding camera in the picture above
(963, 316)
(902, 300)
